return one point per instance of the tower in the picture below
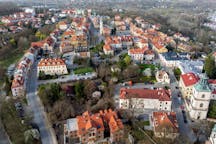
(101, 26)
(199, 101)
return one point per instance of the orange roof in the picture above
(99, 121)
(37, 44)
(107, 47)
(17, 82)
(51, 62)
(165, 120)
(160, 94)
(137, 50)
(87, 121)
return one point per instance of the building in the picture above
(149, 55)
(145, 99)
(186, 83)
(108, 50)
(165, 125)
(212, 137)
(212, 85)
(62, 25)
(198, 103)
(171, 59)
(137, 54)
(91, 128)
(162, 77)
(191, 66)
(52, 66)
(18, 86)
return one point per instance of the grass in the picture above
(12, 123)
(145, 66)
(10, 60)
(151, 79)
(83, 70)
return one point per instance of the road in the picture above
(46, 132)
(68, 78)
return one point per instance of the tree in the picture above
(127, 60)
(7, 87)
(79, 90)
(89, 88)
(131, 72)
(210, 67)
(212, 109)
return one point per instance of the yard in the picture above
(83, 70)
(145, 66)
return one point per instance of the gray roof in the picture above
(72, 124)
(175, 56)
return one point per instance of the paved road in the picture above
(46, 131)
(68, 78)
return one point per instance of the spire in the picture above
(203, 84)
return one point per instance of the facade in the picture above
(149, 55)
(145, 99)
(52, 66)
(171, 59)
(165, 125)
(91, 128)
(199, 102)
(108, 50)
(162, 77)
(137, 54)
(186, 83)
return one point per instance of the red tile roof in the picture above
(99, 121)
(160, 94)
(137, 51)
(165, 120)
(189, 79)
(51, 62)
(212, 81)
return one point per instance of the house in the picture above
(171, 59)
(145, 99)
(159, 48)
(149, 55)
(137, 54)
(91, 128)
(108, 50)
(52, 66)
(62, 25)
(162, 77)
(186, 83)
(165, 125)
(18, 87)
(198, 103)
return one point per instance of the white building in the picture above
(199, 102)
(52, 66)
(137, 54)
(162, 77)
(145, 99)
(191, 66)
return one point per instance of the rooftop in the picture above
(189, 79)
(160, 94)
(175, 56)
(165, 120)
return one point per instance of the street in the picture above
(46, 132)
(67, 78)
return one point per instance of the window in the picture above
(203, 96)
(201, 105)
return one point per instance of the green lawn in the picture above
(83, 70)
(145, 66)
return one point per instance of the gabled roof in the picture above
(165, 120)
(189, 79)
(160, 94)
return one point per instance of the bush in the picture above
(177, 73)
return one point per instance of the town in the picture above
(88, 78)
